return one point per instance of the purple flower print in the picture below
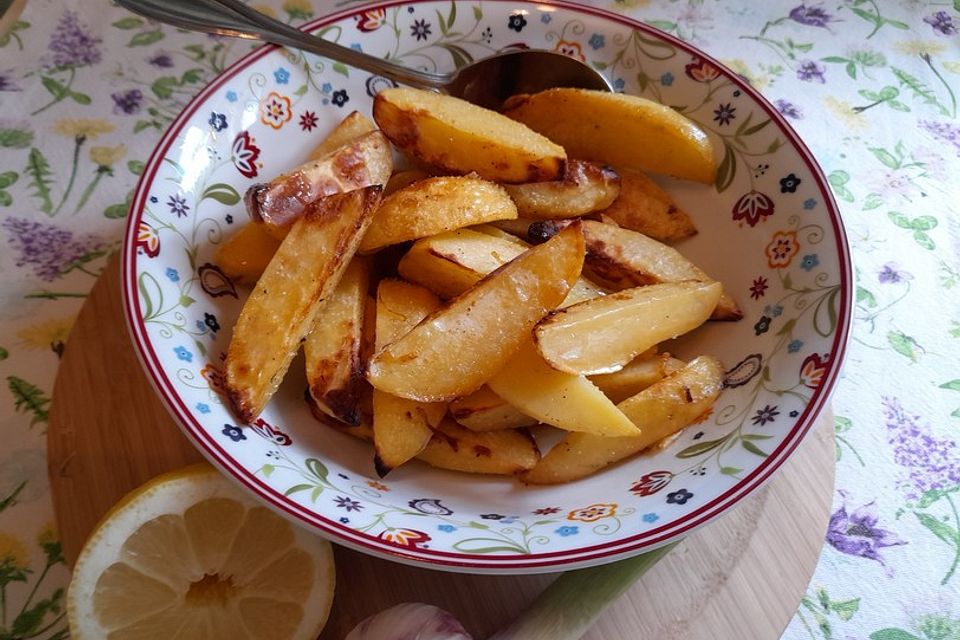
(161, 60)
(810, 71)
(7, 83)
(811, 16)
(789, 109)
(930, 463)
(857, 533)
(890, 274)
(72, 45)
(127, 102)
(420, 29)
(48, 249)
(946, 131)
(942, 23)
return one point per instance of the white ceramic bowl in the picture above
(769, 229)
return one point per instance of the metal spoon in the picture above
(487, 82)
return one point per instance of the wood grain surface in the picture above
(740, 577)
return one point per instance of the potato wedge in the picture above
(245, 254)
(620, 258)
(619, 130)
(645, 207)
(455, 350)
(347, 130)
(283, 306)
(504, 452)
(637, 375)
(360, 163)
(460, 137)
(491, 229)
(564, 400)
(403, 179)
(583, 188)
(603, 334)
(363, 431)
(435, 205)
(333, 350)
(484, 410)
(450, 263)
(659, 411)
(401, 427)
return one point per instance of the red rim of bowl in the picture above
(536, 562)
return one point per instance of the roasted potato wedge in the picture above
(347, 130)
(362, 162)
(504, 452)
(455, 350)
(283, 305)
(584, 188)
(401, 427)
(460, 137)
(603, 334)
(564, 400)
(435, 205)
(620, 259)
(245, 254)
(619, 130)
(645, 207)
(659, 411)
(637, 375)
(403, 179)
(484, 410)
(450, 263)
(333, 350)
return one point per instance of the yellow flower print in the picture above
(845, 113)
(570, 49)
(48, 534)
(594, 512)
(88, 128)
(266, 10)
(298, 8)
(13, 553)
(953, 66)
(919, 47)
(620, 5)
(782, 248)
(107, 156)
(275, 110)
(44, 335)
(740, 67)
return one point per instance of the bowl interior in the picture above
(768, 229)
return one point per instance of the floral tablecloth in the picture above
(86, 90)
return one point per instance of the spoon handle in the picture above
(234, 18)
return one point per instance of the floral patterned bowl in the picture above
(768, 228)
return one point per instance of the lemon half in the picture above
(187, 556)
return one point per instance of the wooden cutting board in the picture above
(740, 577)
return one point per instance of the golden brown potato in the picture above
(583, 188)
(403, 179)
(659, 411)
(401, 427)
(643, 206)
(636, 375)
(435, 205)
(333, 350)
(362, 162)
(245, 254)
(283, 305)
(455, 350)
(504, 452)
(619, 130)
(349, 129)
(564, 400)
(620, 258)
(603, 334)
(484, 410)
(460, 137)
(450, 263)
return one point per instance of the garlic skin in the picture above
(410, 621)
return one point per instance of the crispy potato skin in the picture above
(283, 305)
(362, 162)
(584, 188)
(645, 207)
(459, 137)
(618, 129)
(350, 128)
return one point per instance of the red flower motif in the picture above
(546, 511)
(405, 537)
(215, 282)
(782, 248)
(268, 432)
(308, 121)
(813, 369)
(245, 154)
(147, 240)
(701, 70)
(371, 20)
(758, 288)
(652, 482)
(214, 377)
(752, 208)
(570, 49)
